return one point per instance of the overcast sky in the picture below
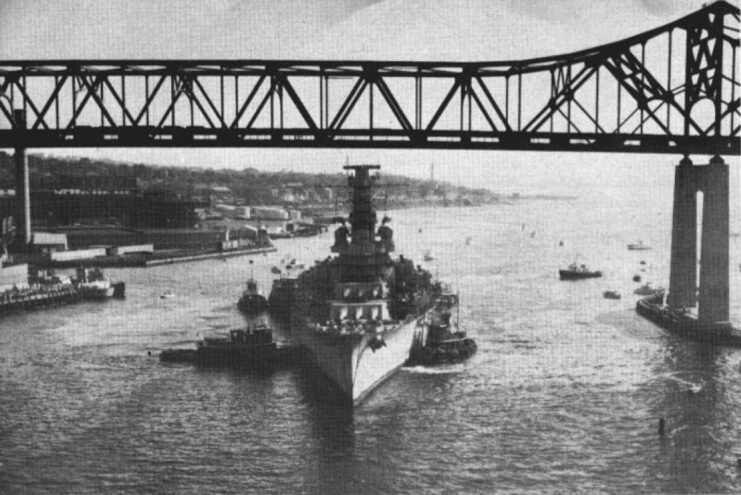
(385, 29)
(326, 29)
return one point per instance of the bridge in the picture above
(669, 90)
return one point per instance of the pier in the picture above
(712, 181)
(22, 185)
(711, 295)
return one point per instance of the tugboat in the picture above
(250, 347)
(252, 300)
(611, 294)
(444, 344)
(358, 314)
(94, 285)
(577, 272)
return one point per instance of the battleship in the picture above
(358, 314)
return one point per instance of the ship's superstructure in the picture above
(358, 314)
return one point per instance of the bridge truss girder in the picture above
(635, 95)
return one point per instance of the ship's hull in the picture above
(253, 303)
(263, 357)
(96, 293)
(239, 355)
(574, 275)
(281, 299)
(352, 364)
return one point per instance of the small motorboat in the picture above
(636, 278)
(647, 290)
(276, 270)
(611, 294)
(168, 295)
(638, 246)
(577, 272)
(428, 256)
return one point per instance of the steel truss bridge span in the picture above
(673, 89)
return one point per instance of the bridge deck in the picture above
(673, 89)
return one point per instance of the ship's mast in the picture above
(362, 216)
(363, 259)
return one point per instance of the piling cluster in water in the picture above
(14, 301)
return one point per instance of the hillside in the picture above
(248, 186)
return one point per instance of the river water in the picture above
(564, 394)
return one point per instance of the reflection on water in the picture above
(692, 394)
(333, 424)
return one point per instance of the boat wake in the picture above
(691, 386)
(435, 370)
(184, 342)
(212, 317)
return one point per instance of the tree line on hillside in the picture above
(257, 186)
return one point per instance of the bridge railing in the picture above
(673, 89)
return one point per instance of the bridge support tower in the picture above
(713, 181)
(22, 186)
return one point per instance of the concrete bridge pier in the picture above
(22, 186)
(713, 181)
(683, 274)
(714, 255)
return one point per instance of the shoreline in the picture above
(140, 261)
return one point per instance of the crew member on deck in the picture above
(341, 235)
(386, 235)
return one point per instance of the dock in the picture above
(141, 261)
